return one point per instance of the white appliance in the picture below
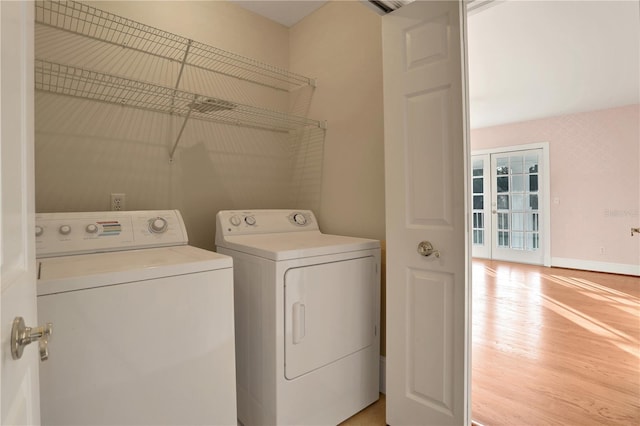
(307, 318)
(142, 322)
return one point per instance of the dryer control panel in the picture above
(60, 234)
(247, 222)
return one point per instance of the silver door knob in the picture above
(21, 336)
(425, 248)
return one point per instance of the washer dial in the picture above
(299, 219)
(91, 228)
(158, 225)
(39, 230)
(250, 220)
(235, 220)
(64, 229)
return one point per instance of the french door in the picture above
(509, 213)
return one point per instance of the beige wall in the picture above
(85, 150)
(218, 23)
(341, 45)
(595, 183)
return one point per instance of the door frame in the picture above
(546, 186)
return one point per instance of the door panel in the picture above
(430, 308)
(19, 378)
(427, 113)
(329, 313)
(425, 174)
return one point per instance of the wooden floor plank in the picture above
(550, 347)
(554, 346)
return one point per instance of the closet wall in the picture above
(341, 45)
(86, 150)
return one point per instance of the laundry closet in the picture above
(209, 107)
(200, 107)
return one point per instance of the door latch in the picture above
(21, 336)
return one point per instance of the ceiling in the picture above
(533, 59)
(285, 12)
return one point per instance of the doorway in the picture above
(510, 208)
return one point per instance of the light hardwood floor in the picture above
(554, 346)
(550, 347)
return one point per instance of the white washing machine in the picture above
(307, 318)
(143, 328)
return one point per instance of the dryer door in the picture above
(329, 313)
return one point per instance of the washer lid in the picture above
(296, 245)
(68, 273)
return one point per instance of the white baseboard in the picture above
(590, 265)
(383, 375)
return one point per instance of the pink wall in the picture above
(595, 179)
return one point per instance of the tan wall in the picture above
(87, 150)
(341, 45)
(219, 23)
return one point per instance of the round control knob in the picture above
(158, 225)
(39, 230)
(250, 220)
(64, 229)
(235, 220)
(91, 228)
(299, 219)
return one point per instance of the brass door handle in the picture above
(22, 335)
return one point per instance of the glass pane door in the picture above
(516, 195)
(480, 206)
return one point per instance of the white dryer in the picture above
(142, 322)
(307, 318)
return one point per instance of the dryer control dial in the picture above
(39, 230)
(250, 220)
(64, 229)
(299, 219)
(91, 228)
(235, 220)
(158, 225)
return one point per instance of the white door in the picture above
(510, 206)
(19, 378)
(428, 308)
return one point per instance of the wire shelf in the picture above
(88, 21)
(82, 83)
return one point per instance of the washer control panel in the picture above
(236, 222)
(59, 234)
